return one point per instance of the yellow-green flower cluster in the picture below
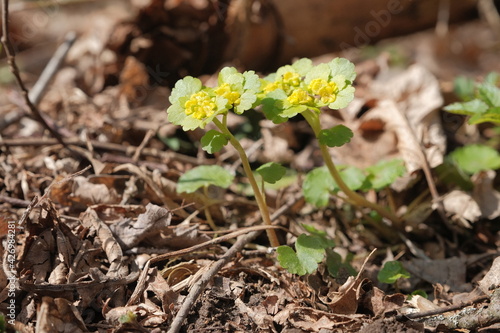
(301, 86)
(194, 105)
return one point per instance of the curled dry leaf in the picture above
(129, 232)
(59, 315)
(109, 244)
(462, 206)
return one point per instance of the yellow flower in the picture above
(200, 106)
(291, 79)
(299, 96)
(327, 91)
(271, 87)
(224, 90)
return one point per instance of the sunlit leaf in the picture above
(202, 176)
(271, 172)
(468, 108)
(310, 252)
(475, 158)
(213, 141)
(317, 187)
(336, 136)
(391, 272)
(384, 173)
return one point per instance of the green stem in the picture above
(264, 211)
(313, 120)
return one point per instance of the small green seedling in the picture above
(392, 272)
(418, 292)
(203, 177)
(481, 101)
(309, 251)
(128, 318)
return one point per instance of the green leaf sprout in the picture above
(392, 272)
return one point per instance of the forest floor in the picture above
(104, 243)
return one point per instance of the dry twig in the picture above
(9, 51)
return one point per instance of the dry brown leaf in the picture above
(408, 105)
(378, 302)
(463, 207)
(492, 279)
(58, 315)
(129, 232)
(312, 320)
(108, 242)
(88, 193)
(450, 272)
(485, 194)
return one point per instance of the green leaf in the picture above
(468, 108)
(317, 187)
(325, 241)
(335, 265)
(336, 136)
(342, 66)
(492, 78)
(213, 141)
(384, 173)
(309, 253)
(475, 158)
(490, 94)
(418, 292)
(202, 176)
(491, 116)
(464, 88)
(391, 272)
(321, 71)
(344, 97)
(185, 87)
(302, 66)
(353, 177)
(272, 106)
(271, 172)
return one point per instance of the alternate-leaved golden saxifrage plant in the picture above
(301, 88)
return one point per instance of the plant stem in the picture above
(313, 120)
(264, 211)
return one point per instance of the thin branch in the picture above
(9, 52)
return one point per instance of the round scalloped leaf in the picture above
(475, 158)
(213, 141)
(384, 173)
(342, 66)
(204, 176)
(336, 136)
(317, 187)
(271, 172)
(310, 251)
(185, 87)
(490, 93)
(344, 97)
